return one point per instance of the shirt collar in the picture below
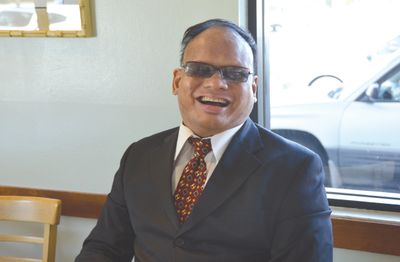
(219, 142)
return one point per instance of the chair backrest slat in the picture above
(18, 259)
(30, 209)
(26, 239)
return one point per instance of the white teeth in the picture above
(215, 100)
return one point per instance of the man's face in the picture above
(212, 105)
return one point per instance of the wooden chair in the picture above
(32, 209)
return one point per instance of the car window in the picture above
(389, 89)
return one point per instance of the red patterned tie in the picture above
(191, 183)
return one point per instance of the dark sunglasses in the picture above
(229, 73)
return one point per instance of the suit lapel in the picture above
(237, 164)
(161, 175)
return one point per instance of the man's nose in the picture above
(217, 80)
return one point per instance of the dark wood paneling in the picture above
(367, 236)
(75, 204)
(349, 234)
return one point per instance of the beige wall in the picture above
(70, 107)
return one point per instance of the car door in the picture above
(369, 138)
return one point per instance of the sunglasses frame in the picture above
(222, 71)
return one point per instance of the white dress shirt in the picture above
(184, 151)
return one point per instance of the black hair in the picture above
(196, 29)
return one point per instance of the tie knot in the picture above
(201, 146)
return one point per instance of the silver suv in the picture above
(355, 129)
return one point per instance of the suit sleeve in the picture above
(112, 238)
(303, 231)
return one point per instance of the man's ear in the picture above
(177, 77)
(254, 86)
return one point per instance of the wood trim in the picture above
(353, 234)
(76, 204)
(366, 236)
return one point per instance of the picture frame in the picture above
(45, 18)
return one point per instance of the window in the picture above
(334, 86)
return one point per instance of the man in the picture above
(249, 195)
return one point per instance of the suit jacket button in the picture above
(179, 242)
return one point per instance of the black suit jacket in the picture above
(264, 202)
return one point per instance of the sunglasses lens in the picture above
(236, 74)
(199, 70)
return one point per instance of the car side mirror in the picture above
(372, 92)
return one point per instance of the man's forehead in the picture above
(220, 33)
(219, 40)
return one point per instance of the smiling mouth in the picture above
(213, 101)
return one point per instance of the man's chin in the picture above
(213, 127)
